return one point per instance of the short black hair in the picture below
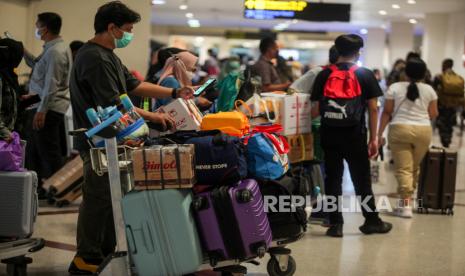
(416, 69)
(412, 55)
(333, 54)
(114, 12)
(50, 20)
(349, 44)
(76, 45)
(266, 43)
(448, 63)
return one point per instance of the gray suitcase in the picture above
(18, 203)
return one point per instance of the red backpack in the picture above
(341, 104)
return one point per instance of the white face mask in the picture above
(37, 34)
(190, 75)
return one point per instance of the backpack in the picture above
(452, 84)
(341, 104)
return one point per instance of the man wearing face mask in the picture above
(266, 70)
(49, 80)
(97, 79)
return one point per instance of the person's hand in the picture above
(203, 103)
(39, 120)
(381, 141)
(373, 148)
(166, 121)
(185, 93)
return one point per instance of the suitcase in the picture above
(18, 203)
(232, 222)
(161, 232)
(286, 227)
(437, 181)
(65, 185)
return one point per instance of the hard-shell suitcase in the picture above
(161, 232)
(449, 178)
(232, 222)
(18, 203)
(65, 185)
(437, 180)
(232, 123)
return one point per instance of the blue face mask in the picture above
(124, 41)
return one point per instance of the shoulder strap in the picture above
(333, 67)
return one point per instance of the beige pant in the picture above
(409, 144)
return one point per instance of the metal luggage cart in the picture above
(13, 254)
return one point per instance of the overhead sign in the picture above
(296, 9)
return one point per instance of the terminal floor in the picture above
(431, 244)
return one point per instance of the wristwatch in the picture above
(174, 93)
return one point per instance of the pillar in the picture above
(374, 50)
(400, 40)
(435, 41)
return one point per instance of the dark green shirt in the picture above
(98, 78)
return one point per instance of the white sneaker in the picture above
(404, 212)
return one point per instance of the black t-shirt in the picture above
(97, 79)
(366, 78)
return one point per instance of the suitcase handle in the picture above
(132, 240)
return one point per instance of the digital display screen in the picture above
(302, 10)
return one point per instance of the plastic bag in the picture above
(11, 154)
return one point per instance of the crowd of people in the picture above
(84, 75)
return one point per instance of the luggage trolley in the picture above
(13, 254)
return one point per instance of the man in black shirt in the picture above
(97, 79)
(350, 142)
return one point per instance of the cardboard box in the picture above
(293, 112)
(164, 167)
(185, 113)
(301, 147)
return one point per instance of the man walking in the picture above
(450, 89)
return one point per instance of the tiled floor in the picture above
(425, 245)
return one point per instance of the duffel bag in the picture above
(267, 152)
(219, 158)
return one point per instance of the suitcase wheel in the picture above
(275, 268)
(261, 251)
(244, 196)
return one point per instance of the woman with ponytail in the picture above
(409, 108)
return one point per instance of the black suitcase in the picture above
(437, 181)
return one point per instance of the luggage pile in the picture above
(198, 194)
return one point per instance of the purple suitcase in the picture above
(232, 222)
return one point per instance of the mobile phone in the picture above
(208, 84)
(29, 101)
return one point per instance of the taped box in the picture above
(301, 147)
(164, 167)
(293, 112)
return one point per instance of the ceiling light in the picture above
(183, 7)
(363, 31)
(189, 15)
(395, 6)
(281, 26)
(193, 23)
(382, 12)
(158, 2)
(411, 2)
(412, 21)
(295, 21)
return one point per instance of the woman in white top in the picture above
(409, 107)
